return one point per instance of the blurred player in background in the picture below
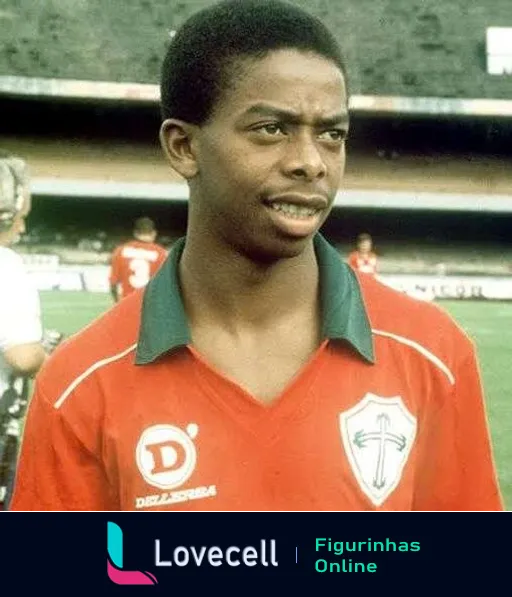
(257, 370)
(134, 263)
(363, 259)
(23, 347)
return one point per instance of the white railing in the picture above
(147, 93)
(146, 191)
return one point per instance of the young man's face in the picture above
(271, 157)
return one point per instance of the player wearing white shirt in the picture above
(22, 349)
(21, 331)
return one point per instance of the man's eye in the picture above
(273, 129)
(336, 135)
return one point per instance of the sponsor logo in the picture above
(166, 457)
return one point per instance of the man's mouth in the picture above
(296, 205)
(293, 210)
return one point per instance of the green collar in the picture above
(164, 325)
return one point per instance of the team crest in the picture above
(378, 434)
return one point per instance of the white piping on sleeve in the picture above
(422, 350)
(88, 372)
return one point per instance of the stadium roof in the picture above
(138, 93)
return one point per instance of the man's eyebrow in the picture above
(341, 118)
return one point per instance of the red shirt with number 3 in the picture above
(134, 264)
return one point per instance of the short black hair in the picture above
(364, 236)
(196, 68)
(144, 225)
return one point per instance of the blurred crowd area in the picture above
(86, 232)
(409, 48)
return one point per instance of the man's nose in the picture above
(303, 159)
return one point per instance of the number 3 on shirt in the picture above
(141, 273)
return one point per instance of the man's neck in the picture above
(229, 289)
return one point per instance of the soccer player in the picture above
(257, 370)
(22, 350)
(363, 259)
(136, 261)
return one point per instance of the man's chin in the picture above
(278, 249)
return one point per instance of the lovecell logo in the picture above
(115, 570)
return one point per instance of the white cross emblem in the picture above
(378, 434)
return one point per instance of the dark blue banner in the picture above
(211, 552)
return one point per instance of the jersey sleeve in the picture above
(457, 470)
(352, 260)
(115, 268)
(20, 309)
(61, 474)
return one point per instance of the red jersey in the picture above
(364, 264)
(388, 414)
(134, 264)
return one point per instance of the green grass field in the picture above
(487, 323)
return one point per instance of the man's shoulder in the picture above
(157, 247)
(11, 259)
(400, 311)
(412, 321)
(118, 249)
(111, 336)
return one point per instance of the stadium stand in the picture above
(402, 48)
(97, 160)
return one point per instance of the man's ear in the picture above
(177, 140)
